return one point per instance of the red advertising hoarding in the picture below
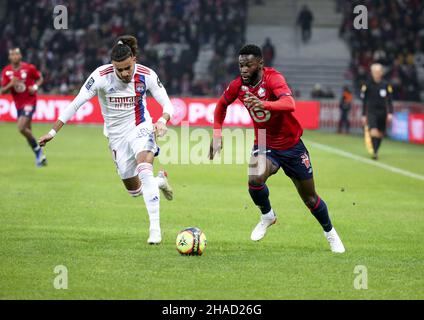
(416, 128)
(197, 111)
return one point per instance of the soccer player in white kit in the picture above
(121, 89)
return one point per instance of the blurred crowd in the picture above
(394, 38)
(170, 35)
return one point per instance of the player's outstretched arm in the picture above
(158, 92)
(87, 92)
(49, 136)
(219, 117)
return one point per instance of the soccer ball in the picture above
(191, 242)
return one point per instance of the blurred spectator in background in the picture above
(170, 35)
(268, 52)
(317, 91)
(304, 20)
(345, 106)
(394, 38)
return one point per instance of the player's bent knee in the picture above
(256, 180)
(310, 202)
(22, 129)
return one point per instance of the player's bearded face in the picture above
(124, 69)
(250, 68)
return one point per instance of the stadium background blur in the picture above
(193, 44)
(193, 47)
(75, 212)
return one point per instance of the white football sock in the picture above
(150, 193)
(270, 215)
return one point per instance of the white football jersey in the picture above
(123, 104)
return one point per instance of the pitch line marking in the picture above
(352, 156)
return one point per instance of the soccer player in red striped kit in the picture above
(278, 144)
(23, 80)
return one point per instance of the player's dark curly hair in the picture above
(125, 47)
(251, 49)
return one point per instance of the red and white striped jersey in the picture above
(123, 104)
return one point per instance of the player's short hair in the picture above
(377, 66)
(14, 49)
(125, 47)
(251, 49)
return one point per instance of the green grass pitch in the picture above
(76, 213)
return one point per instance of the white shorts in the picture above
(125, 148)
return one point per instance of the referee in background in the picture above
(377, 108)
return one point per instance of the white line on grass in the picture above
(365, 160)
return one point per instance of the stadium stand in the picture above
(170, 34)
(395, 38)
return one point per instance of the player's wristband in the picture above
(35, 87)
(52, 132)
(163, 120)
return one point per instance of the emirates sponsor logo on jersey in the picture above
(122, 102)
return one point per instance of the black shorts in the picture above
(377, 121)
(295, 161)
(27, 111)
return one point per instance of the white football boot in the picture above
(267, 220)
(164, 185)
(334, 240)
(155, 236)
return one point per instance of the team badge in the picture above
(261, 92)
(305, 160)
(244, 88)
(23, 74)
(383, 93)
(140, 87)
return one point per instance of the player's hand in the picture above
(389, 117)
(44, 139)
(15, 81)
(364, 120)
(33, 89)
(253, 101)
(216, 146)
(160, 128)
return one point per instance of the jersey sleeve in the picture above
(277, 83)
(231, 93)
(227, 98)
(4, 80)
(364, 90)
(156, 88)
(87, 91)
(35, 73)
(389, 98)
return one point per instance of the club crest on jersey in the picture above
(305, 160)
(140, 87)
(261, 92)
(244, 88)
(23, 74)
